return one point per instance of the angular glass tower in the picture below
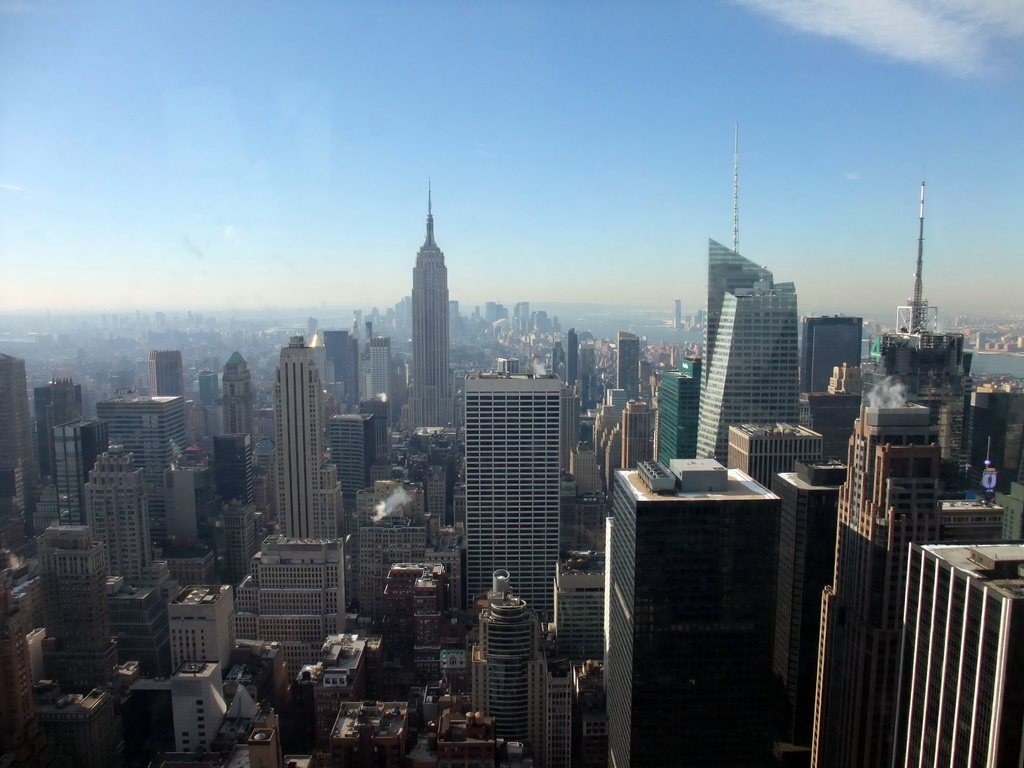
(750, 351)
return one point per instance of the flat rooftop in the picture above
(739, 486)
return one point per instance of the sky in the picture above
(168, 155)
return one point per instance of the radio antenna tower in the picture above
(918, 307)
(736, 192)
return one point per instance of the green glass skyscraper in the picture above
(678, 412)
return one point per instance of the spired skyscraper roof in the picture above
(430, 402)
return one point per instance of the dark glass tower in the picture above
(430, 404)
(826, 343)
(679, 412)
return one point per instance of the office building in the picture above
(342, 350)
(1012, 503)
(431, 399)
(963, 657)
(831, 415)
(512, 481)
(637, 434)
(588, 385)
(152, 429)
(197, 704)
(84, 729)
(308, 494)
(807, 551)
(627, 363)
(77, 445)
(678, 412)
(237, 400)
(888, 502)
(825, 343)
(579, 606)
(294, 595)
(17, 468)
(381, 424)
(352, 442)
(995, 427)
(78, 651)
(690, 616)
(370, 734)
(209, 387)
(391, 539)
(590, 716)
(191, 501)
(572, 358)
(233, 468)
(117, 507)
(763, 450)
(202, 624)
(58, 402)
(376, 373)
(166, 373)
(240, 542)
(750, 361)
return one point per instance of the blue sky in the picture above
(243, 155)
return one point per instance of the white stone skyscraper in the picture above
(430, 402)
(513, 430)
(237, 397)
(751, 357)
(308, 493)
(117, 507)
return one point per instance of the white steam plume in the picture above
(888, 393)
(391, 505)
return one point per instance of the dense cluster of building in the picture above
(530, 549)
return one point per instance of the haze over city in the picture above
(191, 155)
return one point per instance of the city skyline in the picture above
(228, 155)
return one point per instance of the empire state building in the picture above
(430, 403)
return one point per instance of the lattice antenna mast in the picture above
(918, 307)
(736, 192)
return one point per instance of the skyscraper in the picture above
(152, 429)
(572, 357)
(963, 657)
(78, 651)
(237, 399)
(512, 481)
(430, 403)
(888, 502)
(233, 467)
(377, 371)
(678, 412)
(689, 615)
(166, 373)
(17, 470)
(627, 363)
(58, 402)
(76, 446)
(826, 343)
(118, 511)
(637, 434)
(309, 497)
(750, 361)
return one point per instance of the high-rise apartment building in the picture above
(579, 606)
(166, 373)
(690, 615)
(117, 508)
(963, 657)
(678, 413)
(77, 444)
(78, 650)
(888, 502)
(431, 399)
(827, 342)
(627, 363)
(308, 494)
(750, 361)
(637, 434)
(58, 402)
(763, 450)
(237, 399)
(512, 481)
(152, 429)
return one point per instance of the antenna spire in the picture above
(736, 192)
(430, 217)
(918, 308)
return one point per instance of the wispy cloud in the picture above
(10, 187)
(853, 176)
(956, 35)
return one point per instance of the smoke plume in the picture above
(888, 393)
(394, 503)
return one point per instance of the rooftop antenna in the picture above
(918, 308)
(736, 192)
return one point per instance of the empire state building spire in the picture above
(430, 402)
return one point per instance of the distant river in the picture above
(998, 364)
